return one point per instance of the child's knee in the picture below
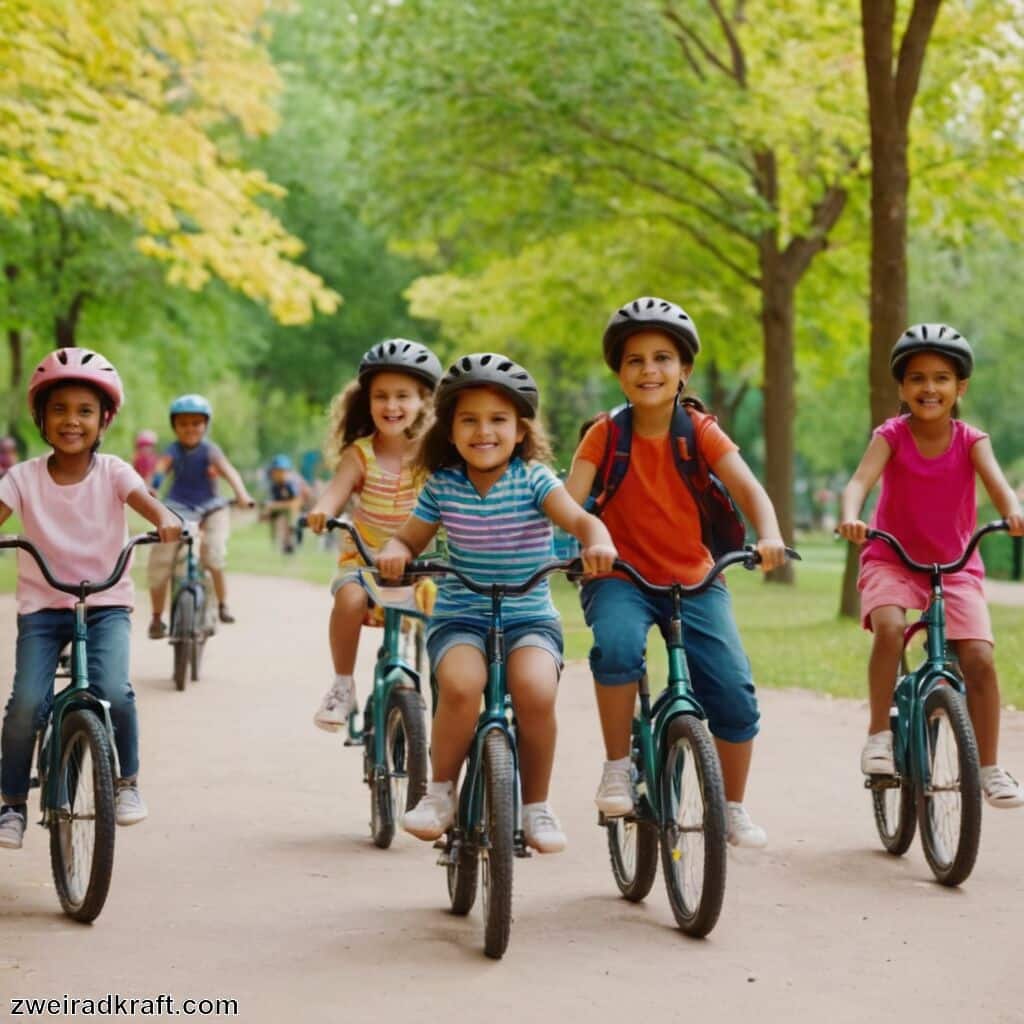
(977, 661)
(351, 599)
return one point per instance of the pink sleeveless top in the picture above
(926, 504)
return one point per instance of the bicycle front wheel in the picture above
(183, 617)
(895, 817)
(496, 853)
(633, 848)
(82, 826)
(693, 839)
(949, 808)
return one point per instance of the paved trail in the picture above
(255, 879)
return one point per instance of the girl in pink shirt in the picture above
(927, 459)
(71, 505)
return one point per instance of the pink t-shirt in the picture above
(79, 529)
(927, 504)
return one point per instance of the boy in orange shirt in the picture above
(651, 345)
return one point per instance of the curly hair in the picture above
(437, 451)
(349, 418)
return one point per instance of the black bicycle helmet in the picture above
(939, 338)
(645, 314)
(404, 356)
(495, 370)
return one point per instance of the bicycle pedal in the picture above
(878, 782)
(353, 743)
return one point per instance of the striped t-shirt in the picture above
(503, 536)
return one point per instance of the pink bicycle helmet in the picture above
(144, 437)
(76, 364)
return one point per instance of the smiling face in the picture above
(651, 372)
(485, 429)
(189, 428)
(396, 402)
(73, 419)
(930, 386)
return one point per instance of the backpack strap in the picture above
(692, 470)
(615, 462)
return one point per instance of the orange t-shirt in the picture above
(653, 518)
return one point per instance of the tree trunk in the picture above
(778, 295)
(16, 355)
(66, 326)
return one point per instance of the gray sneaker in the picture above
(332, 715)
(129, 807)
(12, 828)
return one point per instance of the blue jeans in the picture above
(621, 615)
(443, 635)
(41, 637)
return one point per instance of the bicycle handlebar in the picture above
(200, 515)
(85, 587)
(949, 567)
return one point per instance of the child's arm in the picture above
(163, 463)
(413, 537)
(233, 477)
(5, 513)
(599, 550)
(999, 490)
(580, 480)
(851, 527)
(345, 480)
(755, 504)
(167, 524)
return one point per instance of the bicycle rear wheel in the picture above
(949, 808)
(82, 827)
(693, 840)
(463, 870)
(403, 780)
(183, 617)
(496, 854)
(633, 849)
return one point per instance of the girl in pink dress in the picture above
(927, 459)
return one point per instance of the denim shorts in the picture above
(621, 615)
(443, 635)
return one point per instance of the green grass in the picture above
(792, 634)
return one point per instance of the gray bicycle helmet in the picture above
(941, 338)
(495, 370)
(404, 356)
(645, 314)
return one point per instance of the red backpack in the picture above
(722, 526)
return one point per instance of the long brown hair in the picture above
(437, 451)
(349, 417)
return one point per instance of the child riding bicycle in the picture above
(496, 499)
(651, 344)
(71, 504)
(927, 459)
(286, 491)
(195, 462)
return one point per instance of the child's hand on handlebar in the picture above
(316, 521)
(772, 551)
(853, 530)
(393, 559)
(169, 531)
(598, 558)
(1015, 524)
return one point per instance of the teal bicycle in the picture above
(934, 749)
(391, 728)
(77, 759)
(679, 798)
(479, 849)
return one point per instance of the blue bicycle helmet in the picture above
(191, 403)
(280, 462)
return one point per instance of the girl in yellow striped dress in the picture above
(376, 424)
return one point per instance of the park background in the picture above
(239, 197)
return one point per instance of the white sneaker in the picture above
(615, 794)
(336, 707)
(434, 814)
(1001, 789)
(129, 807)
(541, 828)
(876, 757)
(741, 830)
(12, 829)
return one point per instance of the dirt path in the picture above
(254, 878)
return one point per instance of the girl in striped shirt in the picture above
(376, 424)
(496, 500)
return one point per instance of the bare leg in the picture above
(615, 705)
(887, 624)
(979, 670)
(533, 683)
(735, 758)
(158, 598)
(220, 584)
(350, 604)
(460, 678)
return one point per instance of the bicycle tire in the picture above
(463, 871)
(633, 850)
(405, 747)
(693, 844)
(895, 816)
(183, 618)
(382, 814)
(950, 826)
(82, 830)
(497, 855)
